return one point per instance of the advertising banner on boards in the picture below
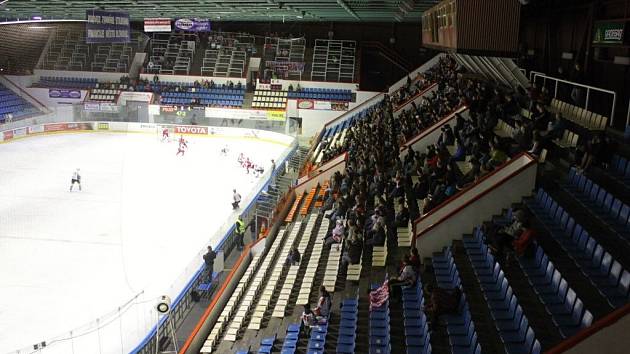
(107, 27)
(255, 114)
(193, 24)
(322, 105)
(64, 93)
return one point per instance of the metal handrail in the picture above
(532, 73)
(588, 91)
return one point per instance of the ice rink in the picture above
(144, 214)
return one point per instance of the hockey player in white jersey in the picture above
(76, 178)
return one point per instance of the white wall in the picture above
(314, 120)
(22, 80)
(472, 206)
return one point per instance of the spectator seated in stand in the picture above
(322, 310)
(336, 235)
(407, 277)
(293, 258)
(441, 302)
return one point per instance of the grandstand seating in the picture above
(566, 309)
(222, 97)
(294, 209)
(285, 57)
(270, 99)
(67, 82)
(507, 299)
(579, 116)
(68, 51)
(22, 45)
(172, 54)
(349, 312)
(321, 94)
(227, 54)
(335, 134)
(511, 322)
(284, 49)
(333, 60)
(460, 327)
(619, 168)
(597, 265)
(417, 339)
(104, 95)
(311, 269)
(13, 107)
(379, 328)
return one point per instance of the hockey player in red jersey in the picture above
(248, 164)
(182, 142)
(165, 134)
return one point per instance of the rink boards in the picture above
(145, 128)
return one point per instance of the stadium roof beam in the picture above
(348, 10)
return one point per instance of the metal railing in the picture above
(588, 88)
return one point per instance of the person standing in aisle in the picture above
(208, 259)
(239, 230)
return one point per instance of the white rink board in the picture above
(144, 215)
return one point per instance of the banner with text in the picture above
(193, 24)
(107, 27)
(125, 96)
(322, 105)
(157, 24)
(64, 93)
(609, 32)
(256, 114)
(191, 129)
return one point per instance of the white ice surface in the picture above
(67, 258)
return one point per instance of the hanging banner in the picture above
(157, 24)
(609, 32)
(193, 24)
(107, 27)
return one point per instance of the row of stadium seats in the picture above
(205, 102)
(12, 106)
(224, 95)
(67, 82)
(324, 96)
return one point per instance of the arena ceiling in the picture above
(228, 10)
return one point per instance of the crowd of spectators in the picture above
(377, 194)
